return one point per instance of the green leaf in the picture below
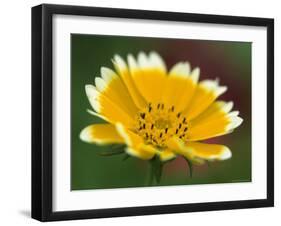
(113, 150)
(126, 156)
(117, 146)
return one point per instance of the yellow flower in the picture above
(156, 112)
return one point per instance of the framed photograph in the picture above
(146, 112)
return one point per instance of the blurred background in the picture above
(228, 61)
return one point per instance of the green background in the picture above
(228, 61)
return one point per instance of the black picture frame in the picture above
(42, 107)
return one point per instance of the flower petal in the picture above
(205, 94)
(122, 69)
(101, 134)
(149, 75)
(180, 86)
(136, 146)
(214, 111)
(131, 138)
(166, 155)
(213, 122)
(198, 152)
(105, 107)
(209, 151)
(112, 86)
(177, 146)
(142, 151)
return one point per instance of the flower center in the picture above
(157, 123)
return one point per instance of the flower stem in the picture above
(150, 174)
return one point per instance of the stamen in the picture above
(142, 115)
(158, 122)
(149, 107)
